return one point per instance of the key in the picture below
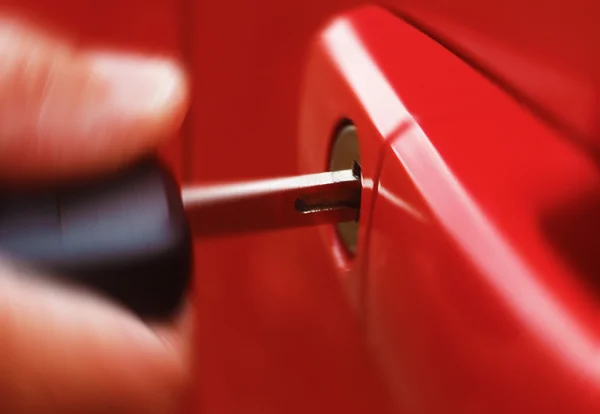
(128, 236)
(289, 202)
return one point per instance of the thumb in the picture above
(66, 351)
(65, 111)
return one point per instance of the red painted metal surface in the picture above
(276, 333)
(475, 301)
(542, 51)
(275, 314)
(254, 311)
(456, 319)
(462, 280)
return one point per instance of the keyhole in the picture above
(344, 153)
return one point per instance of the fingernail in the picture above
(139, 84)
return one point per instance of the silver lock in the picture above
(344, 153)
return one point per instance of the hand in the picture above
(66, 113)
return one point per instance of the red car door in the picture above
(489, 306)
(452, 323)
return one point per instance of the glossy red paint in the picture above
(542, 51)
(472, 303)
(275, 314)
(276, 332)
(466, 301)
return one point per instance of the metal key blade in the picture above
(329, 197)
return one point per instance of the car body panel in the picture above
(281, 319)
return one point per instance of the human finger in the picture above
(68, 112)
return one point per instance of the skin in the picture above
(64, 114)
